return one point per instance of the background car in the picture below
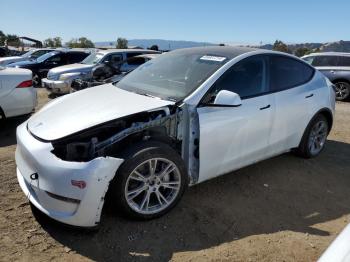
(59, 79)
(149, 136)
(30, 55)
(44, 63)
(106, 73)
(335, 66)
(17, 95)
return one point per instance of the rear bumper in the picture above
(56, 86)
(20, 101)
(69, 192)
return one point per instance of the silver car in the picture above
(59, 79)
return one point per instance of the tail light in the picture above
(24, 84)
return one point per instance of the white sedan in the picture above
(17, 95)
(180, 119)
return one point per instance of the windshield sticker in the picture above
(213, 58)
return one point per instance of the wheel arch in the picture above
(327, 113)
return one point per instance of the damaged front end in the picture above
(111, 138)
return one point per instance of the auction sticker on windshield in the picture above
(213, 58)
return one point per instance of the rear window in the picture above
(286, 72)
(344, 61)
(325, 61)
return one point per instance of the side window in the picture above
(325, 61)
(136, 61)
(246, 78)
(129, 55)
(55, 59)
(114, 59)
(286, 72)
(75, 57)
(344, 61)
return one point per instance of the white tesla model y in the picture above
(180, 119)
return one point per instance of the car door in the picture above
(52, 62)
(232, 137)
(288, 79)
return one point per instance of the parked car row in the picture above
(115, 61)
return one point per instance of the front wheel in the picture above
(150, 182)
(314, 137)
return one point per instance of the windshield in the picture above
(172, 76)
(27, 54)
(94, 58)
(42, 58)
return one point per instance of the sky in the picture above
(216, 21)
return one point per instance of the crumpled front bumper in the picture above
(69, 192)
(56, 86)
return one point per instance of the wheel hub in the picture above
(152, 186)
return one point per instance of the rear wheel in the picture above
(342, 90)
(150, 182)
(314, 137)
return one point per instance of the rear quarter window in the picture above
(77, 57)
(344, 61)
(286, 72)
(325, 61)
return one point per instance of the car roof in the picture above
(229, 52)
(150, 56)
(108, 51)
(328, 54)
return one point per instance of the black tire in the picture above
(304, 150)
(36, 80)
(342, 90)
(135, 156)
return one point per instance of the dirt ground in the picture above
(282, 209)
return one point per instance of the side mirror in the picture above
(227, 98)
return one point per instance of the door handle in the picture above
(265, 107)
(311, 95)
(332, 71)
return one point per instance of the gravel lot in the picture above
(282, 209)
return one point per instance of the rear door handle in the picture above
(311, 95)
(265, 107)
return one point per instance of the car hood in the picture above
(10, 59)
(87, 108)
(72, 68)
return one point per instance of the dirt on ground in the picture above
(281, 209)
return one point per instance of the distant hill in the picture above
(340, 46)
(162, 44)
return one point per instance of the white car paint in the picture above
(78, 113)
(339, 250)
(230, 137)
(16, 101)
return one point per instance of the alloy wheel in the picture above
(152, 186)
(318, 136)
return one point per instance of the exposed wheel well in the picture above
(328, 115)
(341, 80)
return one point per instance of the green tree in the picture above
(154, 47)
(82, 42)
(13, 40)
(57, 41)
(280, 46)
(49, 42)
(122, 43)
(2, 38)
(301, 51)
